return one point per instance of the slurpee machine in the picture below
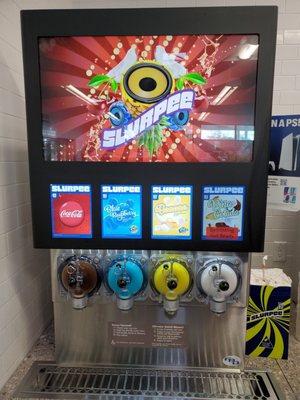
(148, 149)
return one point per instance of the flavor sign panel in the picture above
(223, 209)
(71, 211)
(172, 212)
(121, 211)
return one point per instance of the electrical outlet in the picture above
(280, 250)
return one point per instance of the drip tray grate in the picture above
(50, 381)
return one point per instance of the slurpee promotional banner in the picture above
(71, 210)
(172, 212)
(223, 210)
(183, 98)
(268, 321)
(121, 211)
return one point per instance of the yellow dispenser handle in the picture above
(171, 270)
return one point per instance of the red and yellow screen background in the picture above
(220, 125)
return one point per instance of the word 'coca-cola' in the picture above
(71, 213)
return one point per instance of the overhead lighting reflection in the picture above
(247, 50)
(76, 92)
(223, 95)
(203, 115)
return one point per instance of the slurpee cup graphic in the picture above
(71, 211)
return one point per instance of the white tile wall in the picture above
(25, 300)
(25, 304)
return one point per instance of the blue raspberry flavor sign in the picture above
(121, 207)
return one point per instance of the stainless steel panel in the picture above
(82, 336)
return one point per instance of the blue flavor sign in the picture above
(121, 207)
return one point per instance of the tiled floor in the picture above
(286, 372)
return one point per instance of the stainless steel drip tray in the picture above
(51, 381)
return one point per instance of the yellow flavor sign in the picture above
(171, 212)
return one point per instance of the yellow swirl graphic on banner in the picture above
(268, 324)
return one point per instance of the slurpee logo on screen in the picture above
(121, 211)
(223, 209)
(177, 102)
(71, 211)
(172, 212)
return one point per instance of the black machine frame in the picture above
(226, 20)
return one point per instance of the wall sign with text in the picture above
(284, 164)
(172, 212)
(222, 212)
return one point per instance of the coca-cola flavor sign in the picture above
(71, 211)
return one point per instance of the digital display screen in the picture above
(121, 211)
(172, 212)
(223, 212)
(71, 209)
(171, 99)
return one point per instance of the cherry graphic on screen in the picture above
(71, 213)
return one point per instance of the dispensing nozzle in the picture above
(218, 280)
(172, 283)
(122, 283)
(218, 302)
(223, 286)
(79, 278)
(171, 278)
(125, 278)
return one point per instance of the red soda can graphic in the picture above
(71, 211)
